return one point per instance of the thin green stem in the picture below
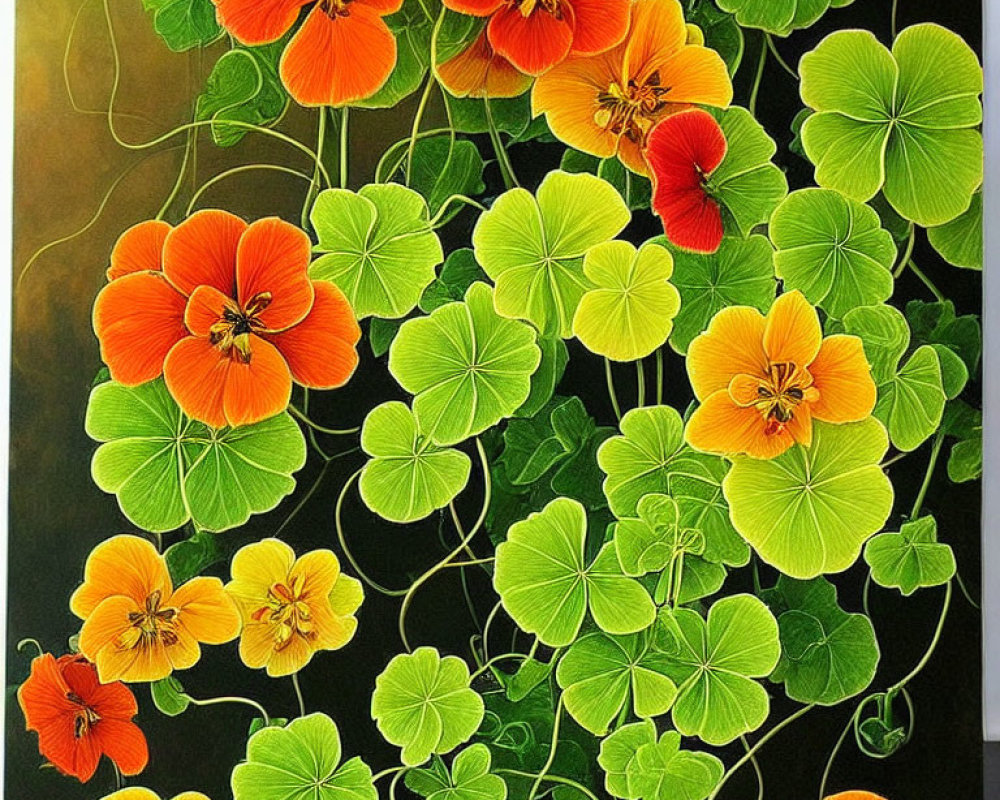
(755, 90)
(865, 593)
(890, 461)
(119, 778)
(836, 750)
(612, 394)
(893, 28)
(306, 497)
(938, 295)
(345, 161)
(552, 751)
(301, 416)
(756, 765)
(382, 174)
(911, 241)
(777, 56)
(455, 198)
(659, 376)
(922, 494)
(945, 605)
(298, 694)
(246, 701)
(486, 628)
(551, 779)
(503, 160)
(314, 181)
(418, 119)
(29, 642)
(496, 660)
(395, 782)
(760, 743)
(965, 591)
(475, 562)
(237, 171)
(387, 772)
(176, 190)
(342, 538)
(640, 377)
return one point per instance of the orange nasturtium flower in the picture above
(480, 71)
(138, 793)
(607, 104)
(535, 35)
(762, 380)
(78, 719)
(342, 53)
(291, 608)
(137, 628)
(855, 796)
(227, 313)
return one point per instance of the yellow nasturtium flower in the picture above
(138, 793)
(137, 627)
(291, 608)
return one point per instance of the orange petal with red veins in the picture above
(221, 389)
(600, 24)
(201, 251)
(205, 308)
(320, 350)
(732, 345)
(792, 333)
(657, 32)
(535, 43)
(124, 743)
(258, 21)
(272, 260)
(139, 249)
(843, 378)
(476, 8)
(122, 565)
(479, 71)
(137, 319)
(334, 62)
(718, 425)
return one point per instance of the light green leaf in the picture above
(298, 761)
(617, 753)
(408, 476)
(467, 366)
(532, 247)
(546, 585)
(636, 191)
(663, 771)
(827, 655)
(470, 778)
(911, 559)
(630, 311)
(779, 17)
(600, 673)
(833, 249)
(904, 122)
(184, 24)
(739, 273)
(169, 697)
(652, 540)
(965, 463)
(809, 511)
(423, 703)
(960, 242)
(377, 246)
(721, 32)
(714, 662)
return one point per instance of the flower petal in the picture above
(184, 651)
(258, 21)
(137, 319)
(256, 645)
(535, 43)
(291, 658)
(346, 596)
(139, 249)
(793, 333)
(272, 259)
(206, 611)
(696, 75)
(195, 372)
(600, 24)
(104, 628)
(732, 345)
(320, 350)
(843, 378)
(42, 696)
(259, 389)
(479, 71)
(124, 743)
(201, 251)
(476, 8)
(718, 425)
(334, 62)
(122, 565)
(332, 630)
(257, 567)
(319, 571)
(205, 307)
(383, 7)
(657, 32)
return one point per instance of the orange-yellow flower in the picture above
(291, 608)
(136, 627)
(138, 793)
(606, 104)
(480, 71)
(762, 380)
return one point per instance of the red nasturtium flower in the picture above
(762, 380)
(607, 104)
(78, 719)
(227, 313)
(344, 51)
(682, 152)
(479, 71)
(535, 35)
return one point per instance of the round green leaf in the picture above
(408, 476)
(467, 366)
(960, 242)
(377, 246)
(911, 559)
(618, 751)
(833, 249)
(166, 469)
(827, 655)
(631, 310)
(301, 760)
(739, 273)
(714, 662)
(423, 703)
(600, 673)
(532, 247)
(546, 586)
(184, 24)
(470, 778)
(809, 511)
(904, 122)
(169, 697)
(663, 771)
(653, 539)
(780, 17)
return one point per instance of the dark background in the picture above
(65, 162)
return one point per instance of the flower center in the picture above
(86, 718)
(631, 110)
(154, 622)
(526, 7)
(335, 8)
(778, 395)
(232, 331)
(287, 612)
